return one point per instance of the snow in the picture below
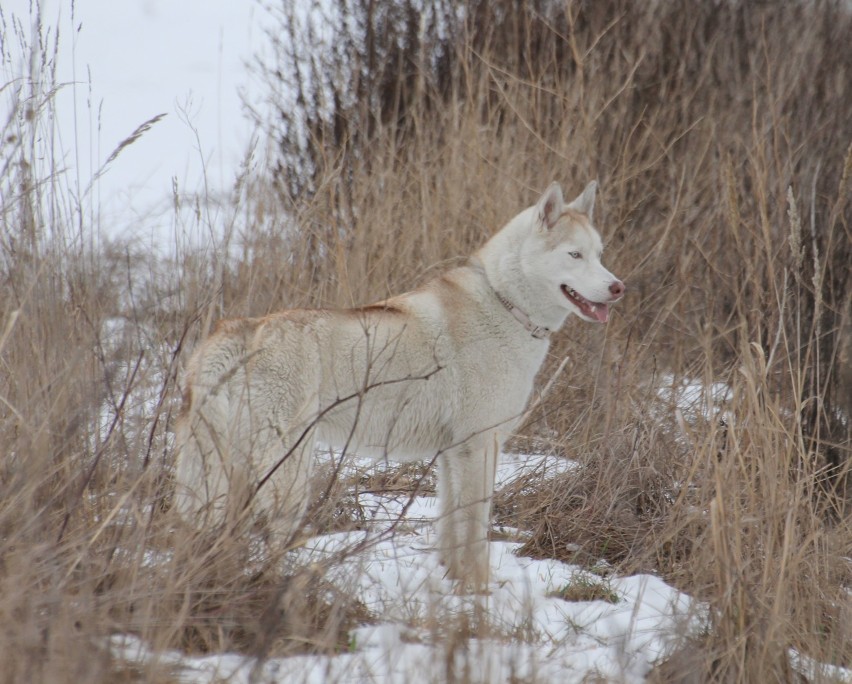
(692, 397)
(814, 671)
(527, 630)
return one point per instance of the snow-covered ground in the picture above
(530, 632)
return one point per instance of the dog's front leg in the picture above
(465, 488)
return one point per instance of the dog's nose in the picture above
(616, 288)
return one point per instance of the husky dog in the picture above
(440, 373)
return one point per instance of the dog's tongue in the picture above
(601, 312)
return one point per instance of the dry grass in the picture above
(722, 139)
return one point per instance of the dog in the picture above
(441, 373)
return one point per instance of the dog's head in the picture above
(564, 250)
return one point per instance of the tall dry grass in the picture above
(721, 135)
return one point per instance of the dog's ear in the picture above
(585, 202)
(550, 206)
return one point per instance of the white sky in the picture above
(185, 58)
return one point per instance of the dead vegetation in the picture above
(720, 133)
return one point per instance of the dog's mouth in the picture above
(592, 310)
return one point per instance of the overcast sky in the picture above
(187, 59)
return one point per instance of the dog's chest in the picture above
(497, 373)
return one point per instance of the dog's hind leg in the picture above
(465, 488)
(283, 456)
(285, 406)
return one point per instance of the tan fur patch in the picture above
(453, 297)
(569, 221)
(235, 326)
(574, 216)
(186, 400)
(379, 307)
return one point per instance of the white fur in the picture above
(443, 372)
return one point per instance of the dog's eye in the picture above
(575, 255)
